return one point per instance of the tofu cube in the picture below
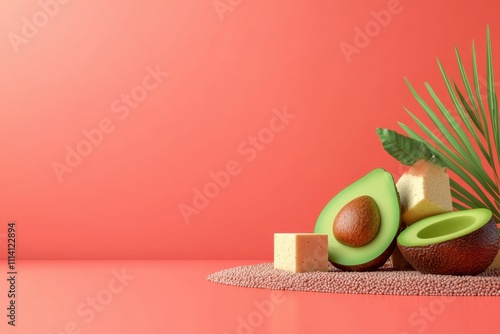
(301, 252)
(424, 191)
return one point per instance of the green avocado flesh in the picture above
(444, 227)
(379, 185)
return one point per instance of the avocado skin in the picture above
(470, 254)
(373, 264)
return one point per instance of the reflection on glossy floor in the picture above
(62, 297)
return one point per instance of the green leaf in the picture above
(484, 119)
(492, 100)
(467, 141)
(404, 149)
(473, 112)
(475, 118)
(478, 125)
(470, 153)
(451, 164)
(437, 160)
(464, 155)
(441, 127)
(465, 196)
(478, 95)
(459, 206)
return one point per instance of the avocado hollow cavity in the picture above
(358, 222)
(446, 227)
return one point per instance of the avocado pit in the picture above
(358, 222)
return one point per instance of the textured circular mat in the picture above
(385, 281)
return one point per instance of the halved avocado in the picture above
(379, 185)
(455, 243)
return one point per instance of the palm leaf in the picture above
(473, 116)
(492, 98)
(469, 137)
(451, 164)
(473, 112)
(479, 97)
(468, 161)
(472, 201)
(478, 170)
(458, 206)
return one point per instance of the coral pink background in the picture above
(226, 76)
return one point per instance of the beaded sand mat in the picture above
(385, 281)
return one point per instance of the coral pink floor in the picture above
(174, 297)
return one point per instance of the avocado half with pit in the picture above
(455, 243)
(362, 222)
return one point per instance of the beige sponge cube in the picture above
(301, 252)
(424, 191)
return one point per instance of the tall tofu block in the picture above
(301, 252)
(424, 191)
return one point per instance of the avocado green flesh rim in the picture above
(379, 185)
(444, 227)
